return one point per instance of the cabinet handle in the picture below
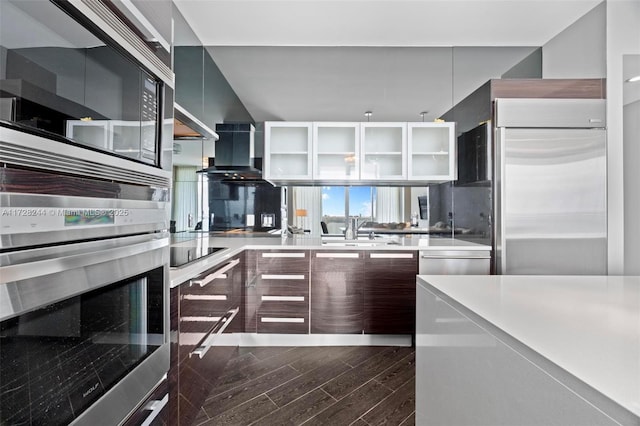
(204, 297)
(282, 319)
(155, 406)
(294, 254)
(431, 256)
(341, 255)
(220, 273)
(206, 343)
(281, 277)
(283, 298)
(391, 255)
(200, 319)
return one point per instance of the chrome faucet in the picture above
(351, 232)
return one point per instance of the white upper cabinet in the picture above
(287, 150)
(359, 152)
(431, 151)
(383, 151)
(336, 151)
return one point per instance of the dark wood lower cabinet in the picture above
(196, 378)
(337, 292)
(282, 291)
(390, 292)
(200, 308)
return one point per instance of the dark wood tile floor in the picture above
(314, 386)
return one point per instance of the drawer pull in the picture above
(435, 256)
(281, 319)
(204, 297)
(156, 407)
(219, 274)
(281, 277)
(294, 254)
(283, 298)
(200, 319)
(391, 255)
(340, 255)
(206, 343)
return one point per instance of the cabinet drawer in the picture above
(283, 322)
(283, 293)
(391, 262)
(345, 260)
(298, 305)
(206, 302)
(282, 261)
(283, 284)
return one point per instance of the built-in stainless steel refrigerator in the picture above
(550, 177)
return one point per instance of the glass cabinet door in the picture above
(431, 151)
(336, 151)
(383, 151)
(287, 150)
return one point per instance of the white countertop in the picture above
(236, 244)
(587, 325)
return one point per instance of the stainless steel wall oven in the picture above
(84, 265)
(83, 330)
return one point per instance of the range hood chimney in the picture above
(235, 154)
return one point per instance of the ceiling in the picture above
(380, 22)
(328, 60)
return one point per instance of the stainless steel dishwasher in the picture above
(454, 262)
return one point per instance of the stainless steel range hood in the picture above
(234, 154)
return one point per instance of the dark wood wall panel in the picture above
(594, 88)
(40, 182)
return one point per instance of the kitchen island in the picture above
(528, 350)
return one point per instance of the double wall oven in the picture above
(85, 157)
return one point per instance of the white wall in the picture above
(632, 188)
(623, 38)
(580, 50)
(593, 47)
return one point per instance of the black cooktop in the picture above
(180, 256)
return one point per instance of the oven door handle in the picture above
(216, 330)
(156, 407)
(220, 273)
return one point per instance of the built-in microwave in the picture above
(73, 71)
(474, 156)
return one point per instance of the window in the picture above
(333, 204)
(334, 212)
